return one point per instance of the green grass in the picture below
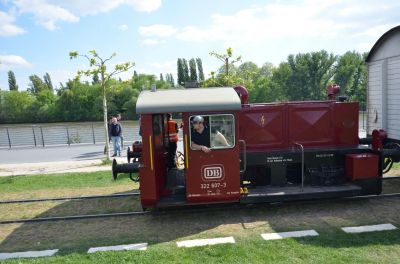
(330, 247)
(61, 181)
(396, 166)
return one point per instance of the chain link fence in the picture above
(61, 134)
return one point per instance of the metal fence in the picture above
(59, 134)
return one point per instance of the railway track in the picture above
(121, 195)
(186, 210)
(118, 195)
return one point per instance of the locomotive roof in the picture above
(188, 100)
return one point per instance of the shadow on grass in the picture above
(242, 222)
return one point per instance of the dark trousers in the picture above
(171, 155)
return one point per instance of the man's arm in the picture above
(120, 130)
(221, 139)
(200, 147)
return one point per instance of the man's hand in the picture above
(205, 149)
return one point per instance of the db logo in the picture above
(213, 172)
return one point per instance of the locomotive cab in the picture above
(202, 177)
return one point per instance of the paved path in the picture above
(28, 161)
(50, 154)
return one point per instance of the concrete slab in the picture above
(205, 242)
(28, 254)
(303, 233)
(141, 246)
(368, 228)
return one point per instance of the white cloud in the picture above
(45, 14)
(123, 27)
(93, 7)
(279, 20)
(9, 62)
(7, 27)
(144, 5)
(158, 30)
(48, 12)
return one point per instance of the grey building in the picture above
(383, 92)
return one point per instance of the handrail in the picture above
(244, 156)
(302, 165)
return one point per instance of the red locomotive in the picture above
(254, 152)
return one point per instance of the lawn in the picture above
(382, 247)
(162, 231)
(66, 184)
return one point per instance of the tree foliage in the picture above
(12, 82)
(303, 76)
(186, 76)
(193, 71)
(181, 74)
(200, 69)
(228, 61)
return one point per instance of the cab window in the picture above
(212, 131)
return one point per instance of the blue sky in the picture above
(37, 35)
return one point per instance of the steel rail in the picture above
(391, 178)
(118, 195)
(177, 209)
(71, 217)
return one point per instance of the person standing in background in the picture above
(119, 117)
(171, 138)
(115, 133)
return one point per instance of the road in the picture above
(52, 154)
(57, 154)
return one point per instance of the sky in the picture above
(36, 36)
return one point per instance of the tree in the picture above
(98, 65)
(161, 77)
(309, 75)
(200, 69)
(37, 85)
(351, 76)
(47, 81)
(171, 80)
(193, 72)
(12, 82)
(225, 57)
(186, 76)
(15, 106)
(181, 74)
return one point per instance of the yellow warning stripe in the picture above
(186, 152)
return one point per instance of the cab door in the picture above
(213, 176)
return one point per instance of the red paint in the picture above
(242, 93)
(312, 124)
(378, 136)
(332, 90)
(362, 166)
(214, 176)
